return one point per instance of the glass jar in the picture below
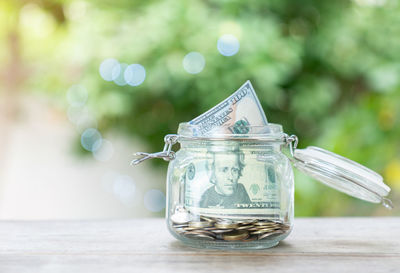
(236, 190)
(230, 191)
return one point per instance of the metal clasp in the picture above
(167, 154)
(292, 141)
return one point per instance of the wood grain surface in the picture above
(144, 245)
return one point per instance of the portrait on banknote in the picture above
(225, 171)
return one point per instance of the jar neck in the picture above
(227, 145)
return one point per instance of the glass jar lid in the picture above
(342, 174)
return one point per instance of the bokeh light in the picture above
(384, 78)
(105, 150)
(135, 74)
(124, 188)
(75, 112)
(35, 21)
(154, 200)
(118, 74)
(86, 120)
(77, 95)
(81, 117)
(194, 62)
(107, 180)
(228, 45)
(76, 10)
(109, 69)
(91, 139)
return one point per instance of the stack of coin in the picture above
(210, 228)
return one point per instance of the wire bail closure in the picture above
(167, 154)
(292, 141)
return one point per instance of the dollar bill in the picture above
(235, 182)
(234, 115)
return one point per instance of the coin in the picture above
(211, 228)
(204, 232)
(264, 224)
(254, 228)
(262, 231)
(180, 226)
(226, 225)
(190, 228)
(208, 219)
(180, 216)
(266, 235)
(261, 222)
(246, 222)
(179, 230)
(250, 238)
(200, 224)
(221, 230)
(235, 235)
(245, 227)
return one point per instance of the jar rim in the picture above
(271, 131)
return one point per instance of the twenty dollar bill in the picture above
(234, 114)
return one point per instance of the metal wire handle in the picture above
(292, 141)
(167, 154)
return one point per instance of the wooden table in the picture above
(144, 245)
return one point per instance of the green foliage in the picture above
(327, 71)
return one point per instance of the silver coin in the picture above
(180, 230)
(200, 224)
(180, 225)
(226, 225)
(266, 235)
(180, 217)
(190, 228)
(218, 231)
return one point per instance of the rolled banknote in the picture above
(234, 115)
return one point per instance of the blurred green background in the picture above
(328, 71)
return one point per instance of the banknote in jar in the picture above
(234, 115)
(233, 181)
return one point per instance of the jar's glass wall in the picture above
(230, 194)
